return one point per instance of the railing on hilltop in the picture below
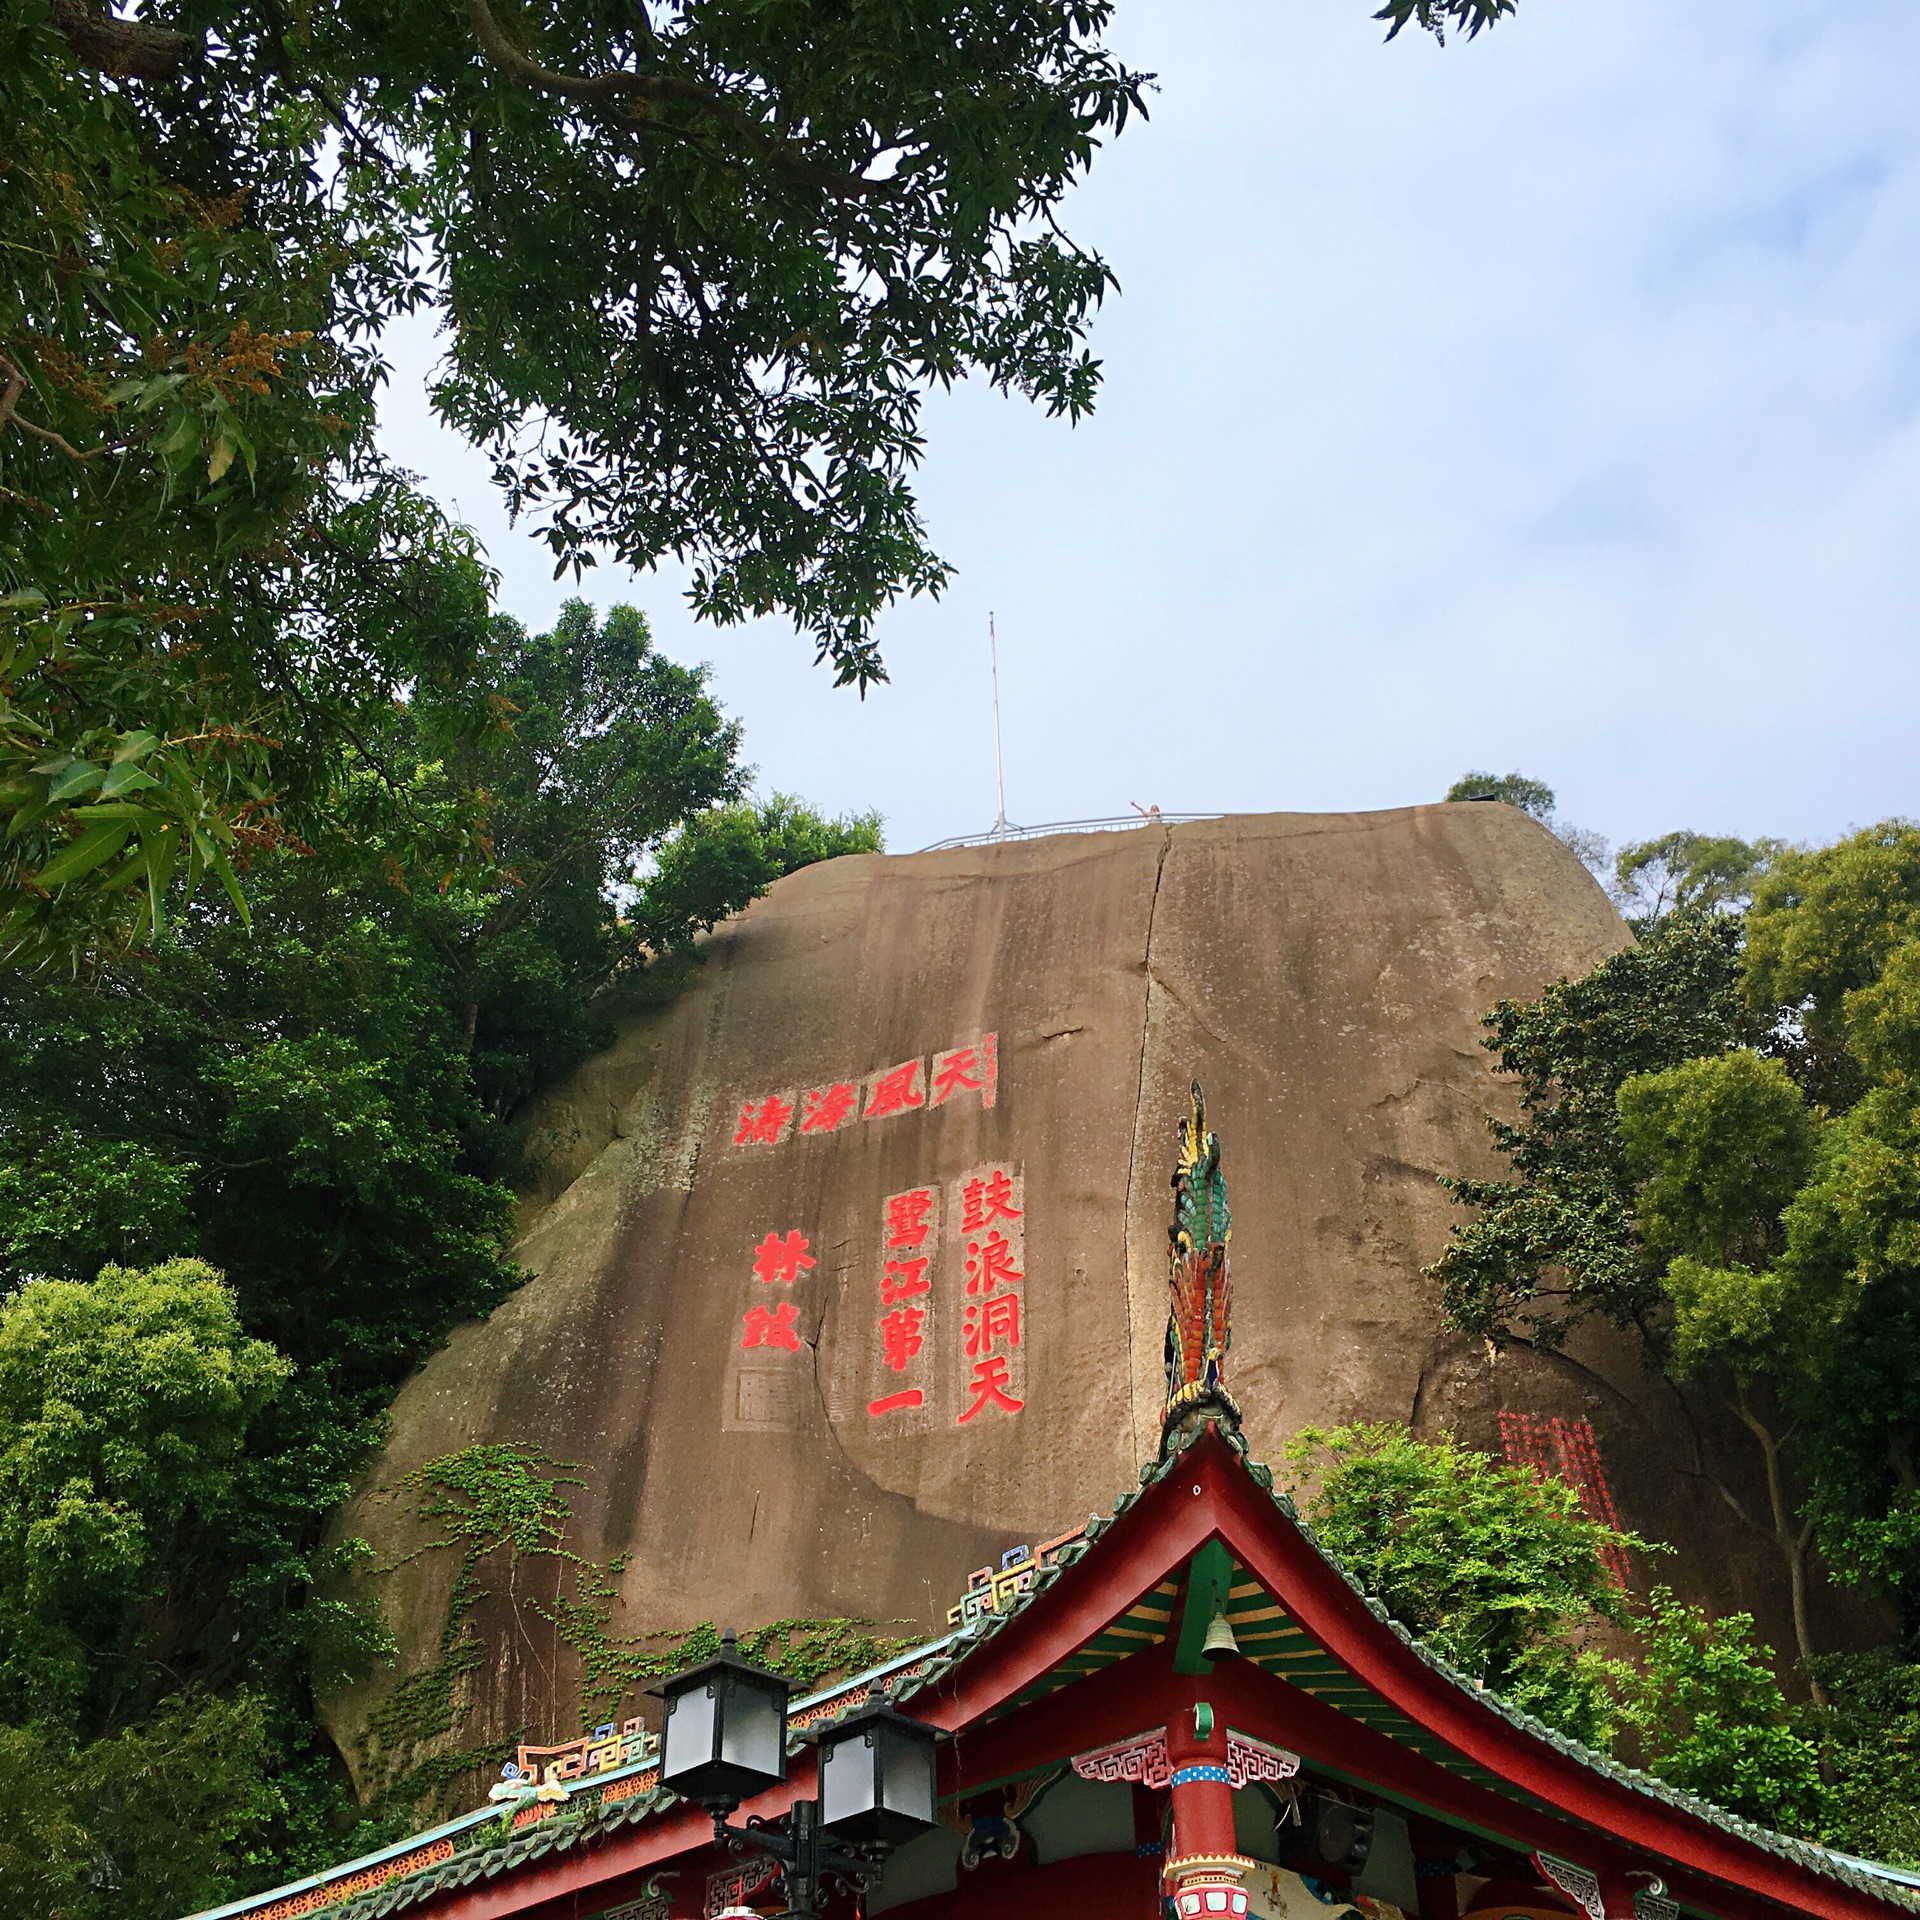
(1117, 824)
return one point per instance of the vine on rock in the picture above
(501, 1507)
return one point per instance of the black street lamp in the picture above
(724, 1739)
(724, 1734)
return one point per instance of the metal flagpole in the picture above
(999, 769)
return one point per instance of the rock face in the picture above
(788, 1219)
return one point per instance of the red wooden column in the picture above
(1436, 1853)
(1204, 1870)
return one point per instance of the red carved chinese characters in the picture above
(910, 1233)
(974, 1068)
(896, 1091)
(760, 1392)
(990, 1263)
(782, 1258)
(986, 1200)
(822, 1109)
(907, 1217)
(989, 1389)
(904, 1277)
(763, 1122)
(900, 1336)
(995, 1321)
(970, 1069)
(992, 1212)
(772, 1327)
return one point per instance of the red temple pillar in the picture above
(1436, 1858)
(1205, 1870)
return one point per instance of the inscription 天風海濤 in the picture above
(912, 1086)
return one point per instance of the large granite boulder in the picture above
(851, 1262)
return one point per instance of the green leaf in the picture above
(229, 880)
(183, 441)
(86, 853)
(220, 460)
(124, 777)
(81, 777)
(154, 391)
(136, 745)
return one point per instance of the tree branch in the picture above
(11, 416)
(606, 89)
(127, 49)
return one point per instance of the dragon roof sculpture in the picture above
(1199, 1329)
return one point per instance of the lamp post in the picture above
(724, 1739)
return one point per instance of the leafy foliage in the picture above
(1468, 17)
(1501, 1574)
(1752, 1209)
(734, 853)
(208, 577)
(156, 1820)
(698, 267)
(1557, 1241)
(759, 233)
(324, 1106)
(1827, 925)
(1722, 1144)
(1868, 1736)
(1713, 1719)
(124, 1405)
(1687, 872)
(1496, 1570)
(1532, 797)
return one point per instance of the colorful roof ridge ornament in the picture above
(1199, 1330)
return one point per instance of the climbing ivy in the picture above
(502, 1508)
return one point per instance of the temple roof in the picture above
(1109, 1593)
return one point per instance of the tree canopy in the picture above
(1717, 1147)
(697, 268)
(252, 1173)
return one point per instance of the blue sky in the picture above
(1550, 401)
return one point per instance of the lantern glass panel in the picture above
(686, 1737)
(723, 1738)
(907, 1775)
(750, 1734)
(846, 1780)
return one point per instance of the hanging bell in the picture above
(1220, 1643)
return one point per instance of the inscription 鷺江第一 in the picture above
(920, 1085)
(910, 1239)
